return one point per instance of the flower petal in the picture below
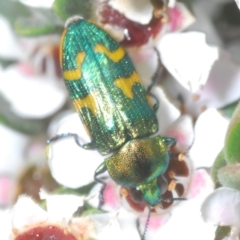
(181, 52)
(5, 223)
(31, 96)
(222, 85)
(7, 184)
(112, 229)
(140, 12)
(238, 3)
(220, 89)
(61, 207)
(117, 225)
(155, 223)
(12, 153)
(180, 17)
(9, 47)
(111, 200)
(210, 130)
(71, 165)
(222, 207)
(145, 60)
(188, 213)
(38, 3)
(26, 212)
(182, 131)
(167, 112)
(200, 182)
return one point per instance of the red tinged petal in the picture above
(135, 34)
(45, 233)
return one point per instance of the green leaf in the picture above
(12, 10)
(84, 190)
(218, 164)
(23, 125)
(41, 22)
(228, 110)
(26, 29)
(229, 176)
(6, 62)
(232, 140)
(68, 8)
(87, 210)
(188, 4)
(222, 232)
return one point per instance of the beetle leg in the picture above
(101, 169)
(76, 138)
(169, 141)
(157, 74)
(156, 104)
(155, 78)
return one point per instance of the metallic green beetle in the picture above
(115, 109)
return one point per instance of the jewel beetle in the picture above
(115, 109)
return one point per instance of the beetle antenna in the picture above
(173, 199)
(146, 225)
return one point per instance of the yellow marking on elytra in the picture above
(76, 73)
(88, 102)
(115, 56)
(126, 84)
(61, 46)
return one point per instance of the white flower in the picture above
(12, 162)
(238, 3)
(222, 207)
(142, 24)
(188, 58)
(210, 130)
(32, 85)
(10, 47)
(31, 95)
(141, 12)
(71, 165)
(79, 166)
(27, 220)
(38, 3)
